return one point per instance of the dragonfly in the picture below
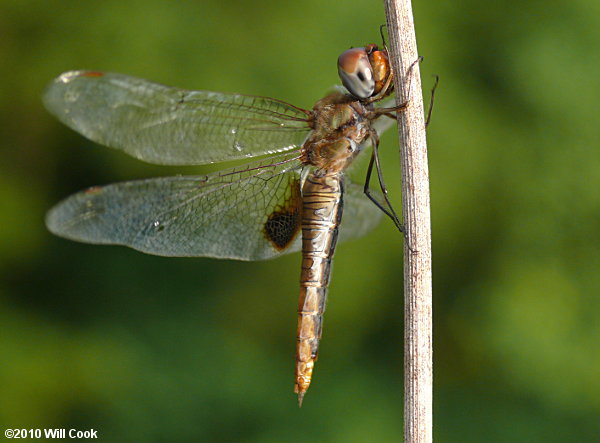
(290, 198)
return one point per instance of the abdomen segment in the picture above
(321, 214)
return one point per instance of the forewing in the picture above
(172, 126)
(229, 214)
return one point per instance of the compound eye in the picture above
(356, 72)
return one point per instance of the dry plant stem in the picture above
(418, 368)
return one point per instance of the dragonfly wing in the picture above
(246, 213)
(360, 215)
(383, 123)
(172, 126)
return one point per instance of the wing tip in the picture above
(69, 76)
(54, 92)
(54, 222)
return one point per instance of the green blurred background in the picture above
(144, 348)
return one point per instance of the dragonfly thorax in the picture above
(340, 126)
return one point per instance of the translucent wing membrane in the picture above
(219, 215)
(383, 123)
(222, 215)
(166, 125)
(360, 216)
(250, 212)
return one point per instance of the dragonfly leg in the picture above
(382, 35)
(388, 209)
(367, 191)
(430, 109)
(391, 111)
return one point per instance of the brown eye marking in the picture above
(356, 72)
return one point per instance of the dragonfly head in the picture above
(365, 72)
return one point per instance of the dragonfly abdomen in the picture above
(321, 215)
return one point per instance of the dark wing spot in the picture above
(284, 223)
(281, 227)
